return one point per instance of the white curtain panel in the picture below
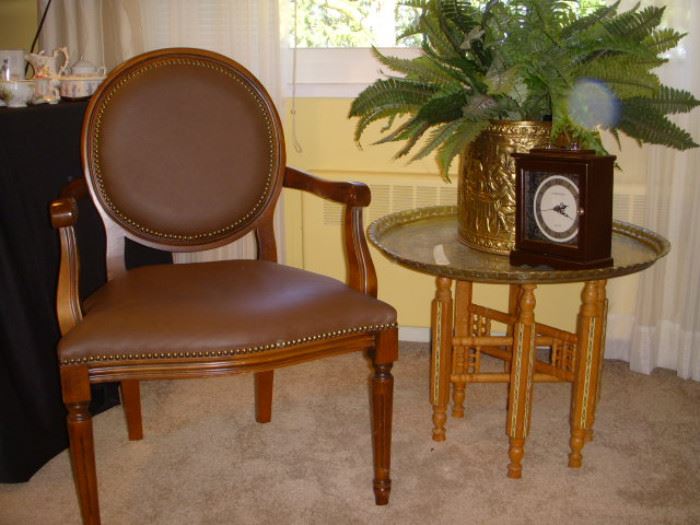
(664, 328)
(103, 32)
(111, 31)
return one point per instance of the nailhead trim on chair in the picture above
(228, 352)
(98, 171)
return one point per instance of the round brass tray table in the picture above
(426, 240)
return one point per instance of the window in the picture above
(332, 54)
(330, 41)
(350, 23)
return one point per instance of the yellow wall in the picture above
(18, 22)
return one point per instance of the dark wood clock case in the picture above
(592, 246)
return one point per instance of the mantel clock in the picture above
(563, 209)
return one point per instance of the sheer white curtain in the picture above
(104, 33)
(664, 328)
(110, 31)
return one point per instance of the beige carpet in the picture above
(205, 461)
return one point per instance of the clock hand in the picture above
(566, 215)
(561, 210)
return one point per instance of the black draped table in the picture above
(39, 155)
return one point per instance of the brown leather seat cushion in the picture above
(216, 309)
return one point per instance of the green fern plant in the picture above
(525, 60)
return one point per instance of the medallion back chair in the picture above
(183, 150)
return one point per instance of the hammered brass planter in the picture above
(486, 190)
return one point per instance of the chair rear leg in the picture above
(76, 396)
(131, 401)
(386, 352)
(263, 396)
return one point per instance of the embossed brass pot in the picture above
(486, 190)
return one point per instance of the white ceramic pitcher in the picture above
(49, 66)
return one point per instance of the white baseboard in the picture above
(421, 334)
(414, 334)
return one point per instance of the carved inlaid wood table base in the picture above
(426, 240)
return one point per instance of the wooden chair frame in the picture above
(380, 342)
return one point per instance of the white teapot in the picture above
(85, 68)
(49, 66)
(82, 81)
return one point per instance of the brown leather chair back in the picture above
(183, 149)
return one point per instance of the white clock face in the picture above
(556, 208)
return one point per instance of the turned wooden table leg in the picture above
(441, 359)
(601, 306)
(589, 360)
(513, 300)
(463, 300)
(521, 373)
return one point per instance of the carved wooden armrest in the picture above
(64, 215)
(76, 188)
(355, 195)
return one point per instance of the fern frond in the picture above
(662, 40)
(416, 133)
(644, 123)
(437, 137)
(461, 13)
(393, 92)
(502, 81)
(389, 123)
(423, 69)
(388, 112)
(668, 100)
(403, 132)
(438, 40)
(626, 76)
(635, 24)
(444, 106)
(414, 28)
(468, 70)
(612, 45)
(585, 23)
(452, 32)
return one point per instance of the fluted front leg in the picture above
(76, 396)
(382, 408)
(385, 353)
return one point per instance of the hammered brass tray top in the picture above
(425, 239)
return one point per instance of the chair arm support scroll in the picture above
(76, 188)
(349, 193)
(361, 274)
(64, 216)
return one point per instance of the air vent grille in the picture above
(629, 205)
